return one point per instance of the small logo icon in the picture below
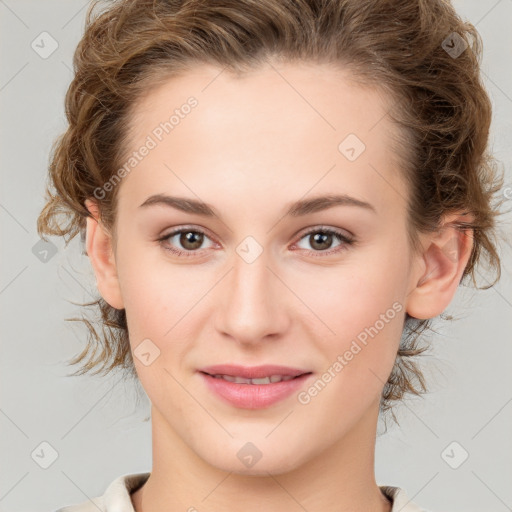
(351, 147)
(44, 455)
(249, 249)
(44, 251)
(451, 249)
(146, 352)
(454, 455)
(454, 45)
(44, 45)
(249, 454)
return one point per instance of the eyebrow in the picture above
(296, 209)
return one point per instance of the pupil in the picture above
(188, 238)
(320, 240)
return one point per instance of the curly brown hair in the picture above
(402, 47)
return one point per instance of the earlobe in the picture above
(443, 261)
(100, 252)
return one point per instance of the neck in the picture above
(340, 478)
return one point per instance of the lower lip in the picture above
(253, 396)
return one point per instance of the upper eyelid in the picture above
(323, 227)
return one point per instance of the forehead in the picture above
(288, 97)
(290, 125)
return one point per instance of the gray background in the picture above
(97, 425)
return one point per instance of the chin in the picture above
(249, 460)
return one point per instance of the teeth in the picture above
(264, 380)
(241, 380)
(230, 378)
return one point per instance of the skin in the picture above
(253, 145)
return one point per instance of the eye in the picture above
(321, 239)
(190, 239)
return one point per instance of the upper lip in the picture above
(252, 372)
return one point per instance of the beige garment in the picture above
(117, 497)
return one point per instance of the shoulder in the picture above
(116, 496)
(401, 501)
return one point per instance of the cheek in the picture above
(355, 299)
(366, 316)
(161, 302)
(155, 311)
(361, 311)
(154, 293)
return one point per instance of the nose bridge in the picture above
(251, 309)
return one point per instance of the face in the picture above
(265, 278)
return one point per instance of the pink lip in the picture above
(253, 396)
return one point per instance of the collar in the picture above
(117, 496)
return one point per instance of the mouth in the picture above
(259, 388)
(262, 374)
(271, 379)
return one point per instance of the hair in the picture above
(396, 46)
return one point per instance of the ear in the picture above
(441, 265)
(100, 252)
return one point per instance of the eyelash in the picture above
(346, 241)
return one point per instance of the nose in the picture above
(252, 303)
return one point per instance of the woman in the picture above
(276, 197)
